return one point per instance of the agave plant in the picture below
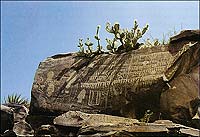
(16, 99)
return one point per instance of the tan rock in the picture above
(80, 119)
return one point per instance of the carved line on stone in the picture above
(106, 84)
(71, 79)
(94, 98)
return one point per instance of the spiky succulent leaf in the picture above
(16, 99)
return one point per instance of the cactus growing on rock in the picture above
(89, 44)
(134, 35)
(148, 43)
(81, 48)
(99, 47)
(115, 29)
(111, 45)
(128, 39)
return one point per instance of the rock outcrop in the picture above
(184, 37)
(7, 118)
(103, 84)
(13, 121)
(113, 84)
(92, 125)
(163, 79)
(181, 101)
(80, 119)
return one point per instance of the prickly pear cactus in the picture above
(89, 45)
(111, 45)
(99, 47)
(128, 39)
(81, 50)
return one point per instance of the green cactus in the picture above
(135, 26)
(89, 51)
(81, 48)
(111, 45)
(156, 42)
(108, 28)
(147, 116)
(135, 34)
(148, 43)
(89, 45)
(128, 39)
(99, 47)
(115, 29)
(144, 30)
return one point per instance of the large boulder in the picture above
(125, 84)
(180, 102)
(113, 84)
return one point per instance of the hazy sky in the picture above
(32, 31)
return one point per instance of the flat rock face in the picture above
(103, 83)
(79, 119)
(141, 129)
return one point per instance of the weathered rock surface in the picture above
(22, 128)
(184, 37)
(103, 84)
(106, 125)
(124, 84)
(14, 120)
(80, 119)
(162, 79)
(7, 118)
(49, 130)
(181, 100)
(141, 129)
